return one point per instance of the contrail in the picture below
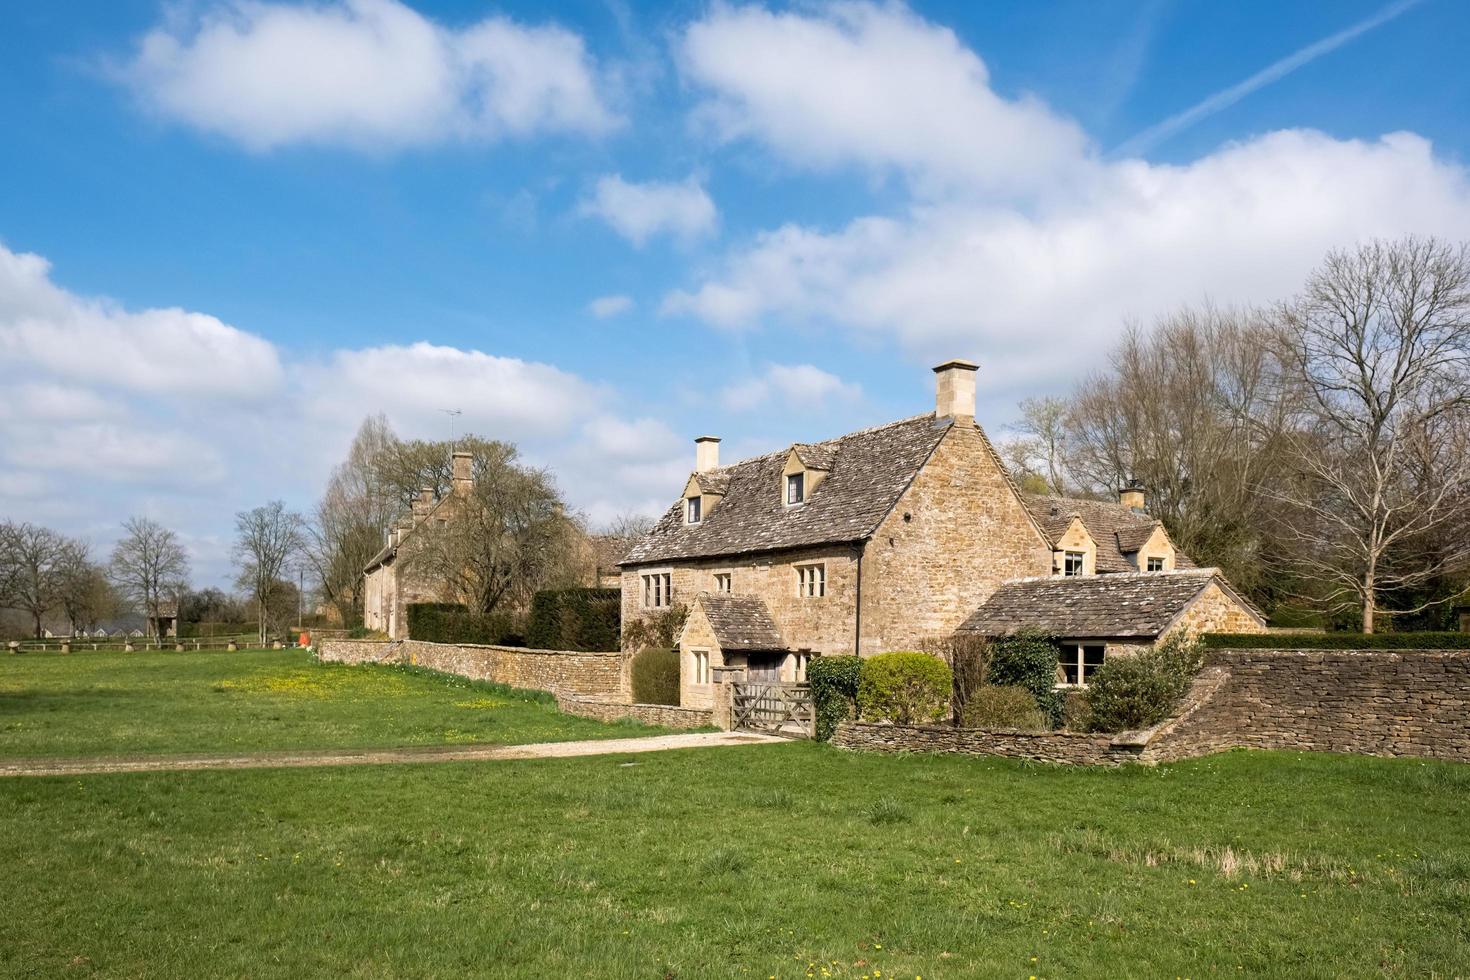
(1227, 97)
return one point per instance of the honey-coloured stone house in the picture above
(890, 538)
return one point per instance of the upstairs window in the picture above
(658, 590)
(1073, 562)
(1078, 663)
(811, 581)
(693, 510)
(1156, 564)
(722, 582)
(795, 488)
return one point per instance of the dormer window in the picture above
(1074, 563)
(1155, 565)
(795, 488)
(692, 510)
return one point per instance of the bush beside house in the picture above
(1129, 693)
(1003, 706)
(655, 676)
(834, 683)
(1029, 660)
(905, 687)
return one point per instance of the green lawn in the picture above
(766, 861)
(139, 703)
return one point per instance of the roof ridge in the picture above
(1210, 571)
(775, 453)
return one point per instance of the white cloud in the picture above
(366, 73)
(604, 307)
(638, 211)
(42, 326)
(1040, 292)
(874, 85)
(789, 385)
(415, 382)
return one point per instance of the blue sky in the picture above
(228, 231)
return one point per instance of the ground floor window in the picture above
(1078, 662)
(799, 661)
(700, 670)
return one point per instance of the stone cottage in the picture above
(884, 539)
(387, 587)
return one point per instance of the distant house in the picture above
(893, 537)
(388, 588)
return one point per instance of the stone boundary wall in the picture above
(611, 709)
(1370, 702)
(560, 672)
(1076, 748)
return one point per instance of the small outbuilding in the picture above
(1097, 616)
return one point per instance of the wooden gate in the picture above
(773, 708)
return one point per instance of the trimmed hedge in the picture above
(834, 682)
(656, 676)
(575, 619)
(905, 687)
(1336, 641)
(450, 622)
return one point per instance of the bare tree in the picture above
(83, 592)
(1188, 410)
(149, 567)
(511, 537)
(1376, 357)
(1042, 451)
(349, 523)
(267, 539)
(33, 557)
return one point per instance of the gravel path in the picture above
(373, 757)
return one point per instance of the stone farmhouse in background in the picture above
(894, 537)
(388, 588)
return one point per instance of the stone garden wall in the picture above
(1370, 702)
(614, 709)
(562, 672)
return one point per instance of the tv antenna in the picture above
(453, 414)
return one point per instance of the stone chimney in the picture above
(423, 503)
(463, 473)
(706, 454)
(1132, 497)
(955, 390)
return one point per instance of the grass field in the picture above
(787, 860)
(141, 703)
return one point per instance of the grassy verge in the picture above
(159, 702)
(771, 861)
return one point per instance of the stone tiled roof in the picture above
(869, 471)
(816, 455)
(1117, 530)
(740, 622)
(1136, 605)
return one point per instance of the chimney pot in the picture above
(954, 390)
(461, 465)
(1131, 495)
(706, 454)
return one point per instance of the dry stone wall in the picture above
(1371, 702)
(1075, 748)
(612, 709)
(559, 671)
